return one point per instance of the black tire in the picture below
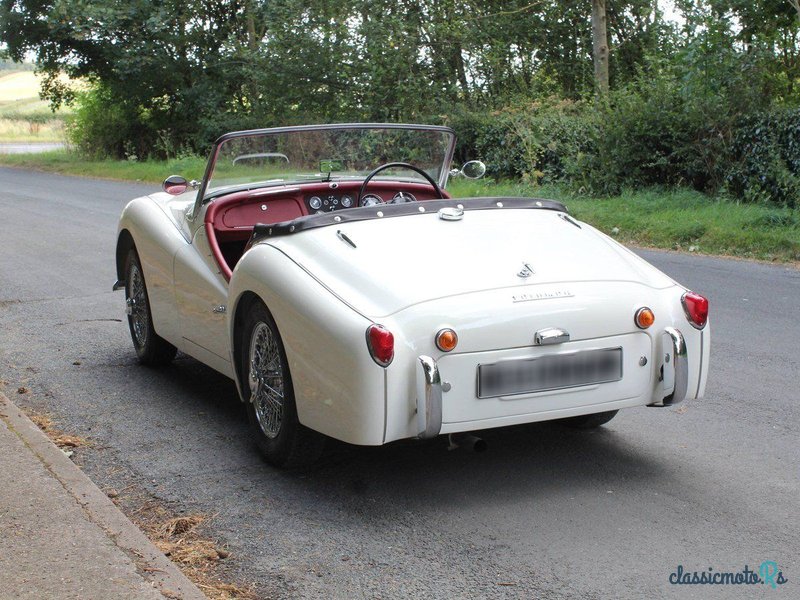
(151, 348)
(589, 421)
(283, 440)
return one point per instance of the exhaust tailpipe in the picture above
(466, 440)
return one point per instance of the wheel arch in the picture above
(124, 245)
(242, 304)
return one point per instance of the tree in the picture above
(796, 5)
(600, 46)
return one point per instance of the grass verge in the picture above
(677, 219)
(70, 163)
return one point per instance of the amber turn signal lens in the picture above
(644, 318)
(446, 340)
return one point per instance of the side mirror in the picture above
(175, 184)
(473, 169)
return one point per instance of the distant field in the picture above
(18, 85)
(24, 117)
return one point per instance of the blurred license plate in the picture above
(552, 372)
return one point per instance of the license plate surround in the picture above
(609, 372)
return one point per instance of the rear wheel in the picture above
(152, 349)
(589, 421)
(267, 385)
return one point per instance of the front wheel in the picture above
(267, 385)
(589, 421)
(152, 349)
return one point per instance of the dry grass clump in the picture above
(177, 537)
(59, 438)
(198, 557)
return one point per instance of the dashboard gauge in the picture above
(401, 197)
(315, 202)
(371, 200)
(347, 201)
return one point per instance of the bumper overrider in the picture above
(674, 371)
(673, 374)
(429, 398)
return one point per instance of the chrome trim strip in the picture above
(429, 398)
(681, 366)
(700, 369)
(570, 220)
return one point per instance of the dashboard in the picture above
(329, 202)
(234, 215)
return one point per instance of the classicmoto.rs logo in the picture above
(767, 574)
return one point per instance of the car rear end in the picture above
(541, 352)
(544, 309)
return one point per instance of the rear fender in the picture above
(339, 390)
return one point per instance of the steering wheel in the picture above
(402, 165)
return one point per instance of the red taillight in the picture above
(380, 342)
(696, 308)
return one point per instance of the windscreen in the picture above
(296, 156)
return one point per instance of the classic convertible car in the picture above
(326, 270)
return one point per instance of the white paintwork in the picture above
(416, 274)
(403, 261)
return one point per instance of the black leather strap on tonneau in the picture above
(383, 211)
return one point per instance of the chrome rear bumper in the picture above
(674, 377)
(429, 398)
(674, 368)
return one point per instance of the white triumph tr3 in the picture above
(326, 271)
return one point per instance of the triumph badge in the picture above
(526, 271)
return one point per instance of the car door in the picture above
(201, 293)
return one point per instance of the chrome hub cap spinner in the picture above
(137, 306)
(266, 380)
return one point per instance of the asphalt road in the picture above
(27, 147)
(545, 512)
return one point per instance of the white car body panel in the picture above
(399, 262)
(199, 290)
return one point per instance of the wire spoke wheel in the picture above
(266, 380)
(151, 348)
(137, 306)
(270, 403)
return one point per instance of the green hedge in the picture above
(636, 141)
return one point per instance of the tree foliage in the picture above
(170, 75)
